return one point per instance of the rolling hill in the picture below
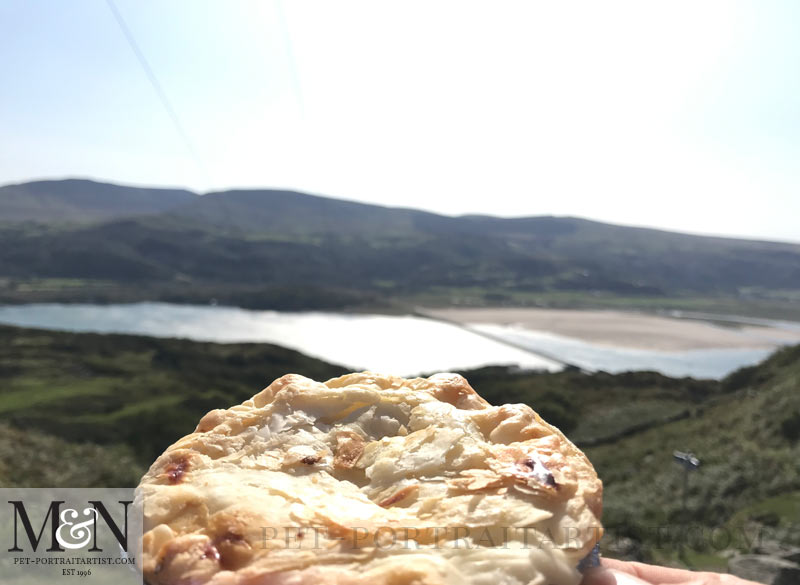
(167, 243)
(82, 201)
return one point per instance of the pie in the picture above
(369, 479)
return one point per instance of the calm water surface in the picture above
(403, 345)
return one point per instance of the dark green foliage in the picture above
(790, 426)
(743, 377)
(599, 407)
(31, 458)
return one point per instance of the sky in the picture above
(681, 115)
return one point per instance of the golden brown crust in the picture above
(369, 479)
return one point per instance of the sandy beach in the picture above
(625, 329)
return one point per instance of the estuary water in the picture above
(403, 345)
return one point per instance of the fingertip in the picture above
(609, 563)
(622, 578)
(598, 576)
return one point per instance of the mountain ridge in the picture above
(197, 196)
(83, 200)
(278, 238)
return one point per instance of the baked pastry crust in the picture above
(372, 480)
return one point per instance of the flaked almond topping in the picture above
(399, 495)
(349, 448)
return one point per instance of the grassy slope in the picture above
(749, 445)
(135, 395)
(135, 391)
(32, 458)
(273, 297)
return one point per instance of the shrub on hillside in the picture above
(790, 427)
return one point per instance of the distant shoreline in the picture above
(627, 329)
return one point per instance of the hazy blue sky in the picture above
(682, 115)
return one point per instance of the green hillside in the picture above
(63, 395)
(749, 446)
(138, 392)
(246, 246)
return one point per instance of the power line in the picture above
(287, 39)
(162, 95)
